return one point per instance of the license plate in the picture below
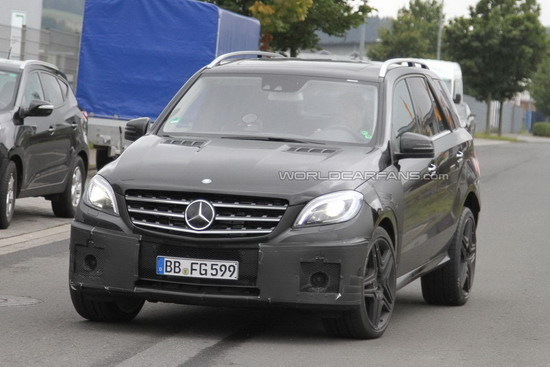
(195, 268)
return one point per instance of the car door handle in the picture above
(432, 167)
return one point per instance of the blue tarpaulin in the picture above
(136, 54)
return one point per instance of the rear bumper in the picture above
(277, 274)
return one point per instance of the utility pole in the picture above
(362, 39)
(440, 30)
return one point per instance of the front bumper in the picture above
(109, 262)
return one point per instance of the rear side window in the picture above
(402, 111)
(33, 90)
(52, 90)
(64, 88)
(424, 106)
(448, 106)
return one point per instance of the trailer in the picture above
(136, 54)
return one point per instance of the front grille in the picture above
(164, 211)
(247, 258)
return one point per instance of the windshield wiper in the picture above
(271, 138)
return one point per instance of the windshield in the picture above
(277, 106)
(8, 86)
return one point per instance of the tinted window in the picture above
(446, 96)
(424, 106)
(440, 117)
(277, 106)
(33, 90)
(446, 103)
(402, 111)
(64, 88)
(8, 84)
(52, 91)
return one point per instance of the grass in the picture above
(483, 135)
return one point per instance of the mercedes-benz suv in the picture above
(283, 182)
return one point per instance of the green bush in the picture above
(541, 129)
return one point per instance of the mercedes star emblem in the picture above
(199, 215)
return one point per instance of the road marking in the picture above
(171, 351)
(34, 239)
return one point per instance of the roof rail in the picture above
(218, 60)
(409, 62)
(37, 62)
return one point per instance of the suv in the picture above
(272, 181)
(43, 147)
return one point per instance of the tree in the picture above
(237, 6)
(412, 34)
(499, 47)
(333, 17)
(291, 25)
(540, 87)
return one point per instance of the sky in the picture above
(453, 8)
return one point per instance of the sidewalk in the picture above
(529, 138)
(520, 137)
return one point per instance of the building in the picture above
(348, 45)
(15, 17)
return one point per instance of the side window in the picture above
(402, 111)
(446, 103)
(64, 88)
(52, 91)
(424, 105)
(440, 117)
(33, 90)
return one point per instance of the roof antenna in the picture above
(9, 53)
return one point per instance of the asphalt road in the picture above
(505, 323)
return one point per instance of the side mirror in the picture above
(412, 145)
(457, 99)
(36, 108)
(136, 128)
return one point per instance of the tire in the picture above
(102, 157)
(451, 284)
(122, 310)
(371, 318)
(8, 194)
(64, 205)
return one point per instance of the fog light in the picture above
(319, 280)
(90, 262)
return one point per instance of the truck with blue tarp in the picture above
(136, 54)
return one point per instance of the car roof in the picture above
(16, 65)
(370, 71)
(367, 71)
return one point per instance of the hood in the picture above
(240, 167)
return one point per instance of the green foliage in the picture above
(413, 33)
(498, 46)
(541, 129)
(333, 17)
(540, 86)
(291, 24)
(237, 6)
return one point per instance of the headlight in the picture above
(337, 207)
(100, 195)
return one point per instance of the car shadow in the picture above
(238, 324)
